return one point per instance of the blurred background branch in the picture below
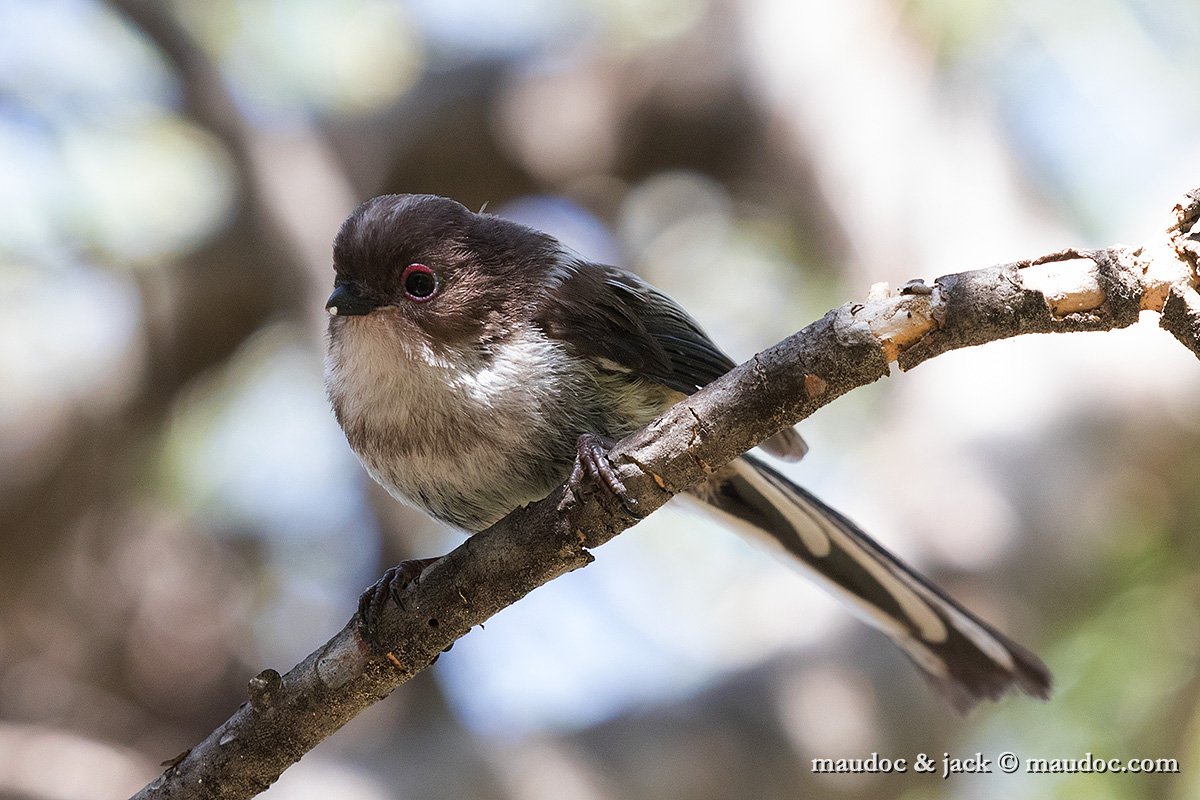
(177, 507)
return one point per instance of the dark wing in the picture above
(615, 317)
(625, 323)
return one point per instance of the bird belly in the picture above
(465, 438)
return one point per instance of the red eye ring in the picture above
(419, 282)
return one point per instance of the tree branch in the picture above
(1071, 290)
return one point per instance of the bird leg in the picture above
(592, 462)
(372, 602)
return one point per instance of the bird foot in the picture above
(389, 587)
(592, 463)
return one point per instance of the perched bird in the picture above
(475, 364)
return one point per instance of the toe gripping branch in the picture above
(592, 463)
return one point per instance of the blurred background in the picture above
(178, 509)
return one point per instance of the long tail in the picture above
(963, 656)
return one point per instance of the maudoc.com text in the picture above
(977, 763)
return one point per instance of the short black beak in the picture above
(347, 302)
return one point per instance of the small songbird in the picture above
(476, 364)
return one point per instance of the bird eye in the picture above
(419, 282)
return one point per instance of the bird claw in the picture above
(372, 602)
(592, 462)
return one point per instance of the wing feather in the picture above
(613, 316)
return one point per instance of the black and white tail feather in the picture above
(962, 656)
